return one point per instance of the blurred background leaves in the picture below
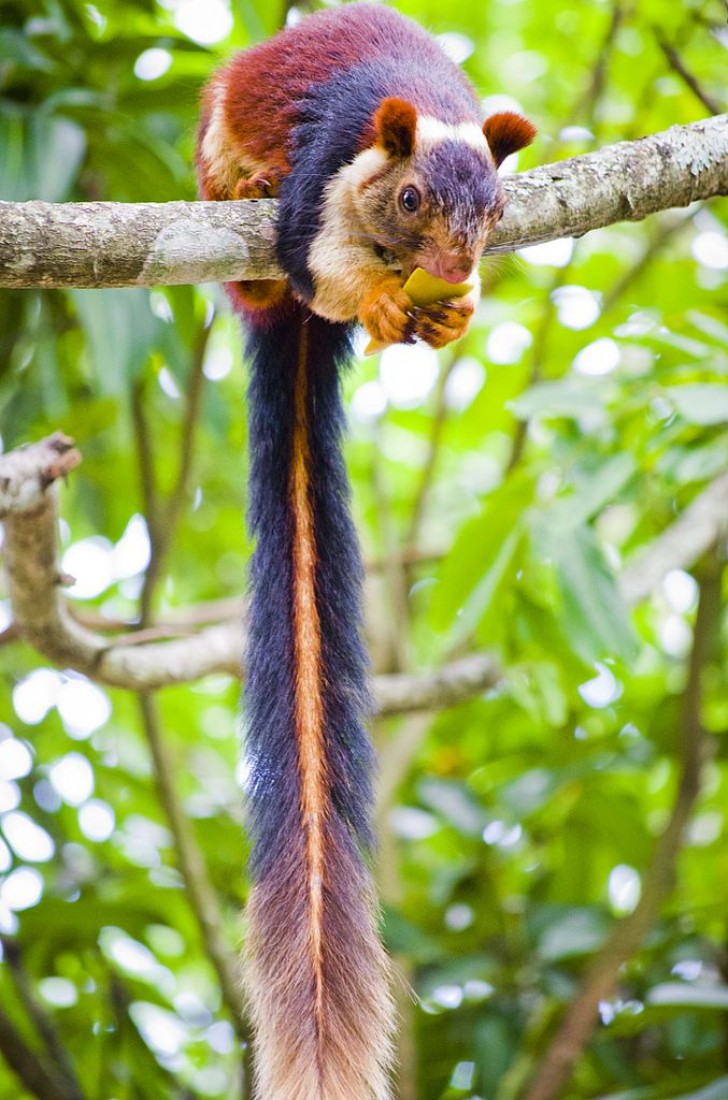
(499, 490)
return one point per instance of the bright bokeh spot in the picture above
(131, 554)
(711, 250)
(603, 690)
(408, 374)
(152, 64)
(458, 47)
(96, 820)
(464, 383)
(22, 889)
(28, 840)
(577, 308)
(6, 859)
(161, 1030)
(624, 889)
(448, 996)
(83, 707)
(204, 21)
(218, 363)
(676, 637)
(599, 357)
(168, 384)
(58, 992)
(507, 342)
(34, 695)
(221, 1037)
(549, 254)
(89, 561)
(73, 778)
(369, 401)
(9, 795)
(680, 589)
(16, 759)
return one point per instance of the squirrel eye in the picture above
(409, 200)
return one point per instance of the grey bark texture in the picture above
(43, 616)
(107, 244)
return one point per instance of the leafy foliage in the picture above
(581, 416)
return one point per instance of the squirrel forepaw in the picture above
(443, 322)
(387, 314)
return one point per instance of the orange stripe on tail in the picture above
(307, 645)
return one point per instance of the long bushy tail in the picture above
(316, 971)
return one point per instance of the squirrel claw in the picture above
(260, 186)
(444, 322)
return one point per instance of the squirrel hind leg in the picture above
(262, 185)
(249, 296)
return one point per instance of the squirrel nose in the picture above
(452, 267)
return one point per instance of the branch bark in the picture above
(43, 618)
(148, 244)
(28, 506)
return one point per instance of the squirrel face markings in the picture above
(451, 171)
(365, 230)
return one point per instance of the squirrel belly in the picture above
(372, 141)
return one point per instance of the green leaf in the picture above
(575, 931)
(701, 402)
(694, 994)
(570, 397)
(598, 487)
(479, 558)
(595, 618)
(121, 329)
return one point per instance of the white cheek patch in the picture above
(431, 131)
(341, 259)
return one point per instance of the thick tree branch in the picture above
(601, 977)
(147, 244)
(43, 618)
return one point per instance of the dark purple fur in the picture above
(271, 738)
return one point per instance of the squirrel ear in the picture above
(395, 126)
(506, 132)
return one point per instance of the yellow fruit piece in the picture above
(424, 290)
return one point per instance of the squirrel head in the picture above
(435, 194)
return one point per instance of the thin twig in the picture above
(437, 427)
(395, 623)
(598, 984)
(162, 516)
(42, 1022)
(667, 227)
(37, 1075)
(193, 868)
(538, 355)
(589, 101)
(678, 66)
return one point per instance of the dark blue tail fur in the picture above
(268, 699)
